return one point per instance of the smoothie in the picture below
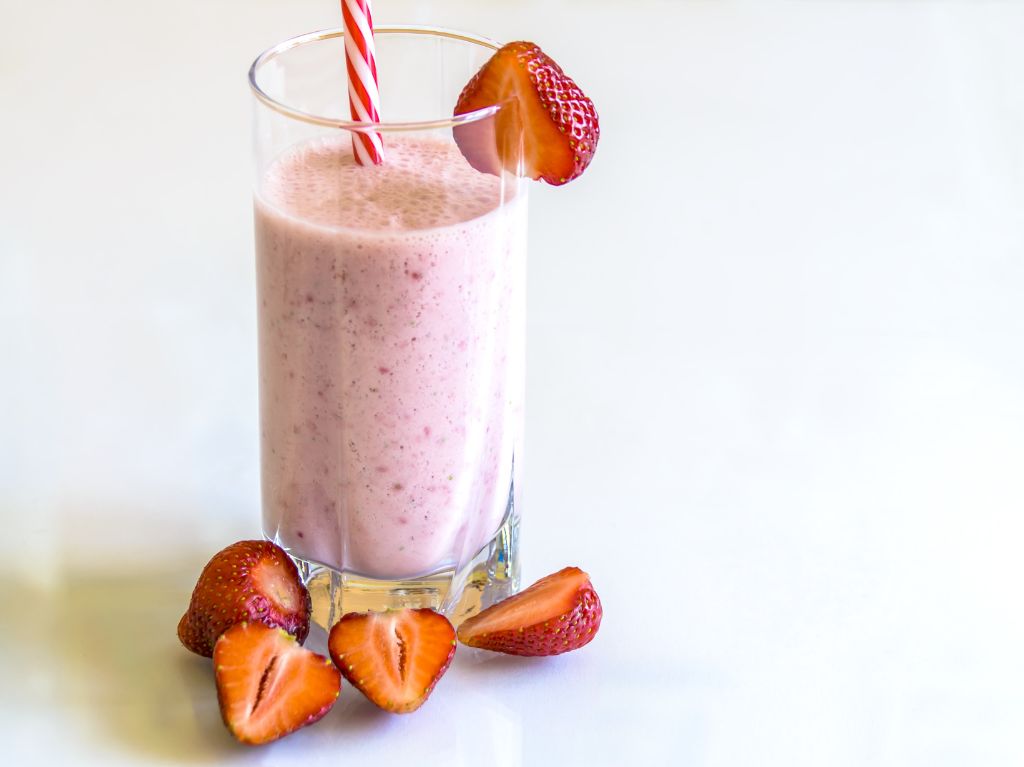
(390, 353)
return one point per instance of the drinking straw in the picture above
(363, 93)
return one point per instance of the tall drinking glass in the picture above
(391, 329)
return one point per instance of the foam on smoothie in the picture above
(424, 184)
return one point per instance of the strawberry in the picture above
(553, 121)
(557, 614)
(394, 658)
(269, 686)
(249, 580)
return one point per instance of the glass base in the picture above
(492, 575)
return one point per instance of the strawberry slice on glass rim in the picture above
(547, 128)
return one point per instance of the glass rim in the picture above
(284, 46)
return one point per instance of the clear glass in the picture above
(391, 329)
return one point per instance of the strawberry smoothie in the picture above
(391, 304)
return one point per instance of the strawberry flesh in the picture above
(547, 123)
(247, 581)
(394, 658)
(559, 613)
(267, 685)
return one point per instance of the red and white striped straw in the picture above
(363, 94)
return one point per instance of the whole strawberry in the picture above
(557, 614)
(247, 581)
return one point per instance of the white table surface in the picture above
(776, 386)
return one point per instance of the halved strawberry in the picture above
(247, 581)
(557, 614)
(394, 658)
(269, 686)
(548, 115)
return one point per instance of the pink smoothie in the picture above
(391, 355)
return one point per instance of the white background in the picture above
(776, 386)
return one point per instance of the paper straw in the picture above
(363, 94)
